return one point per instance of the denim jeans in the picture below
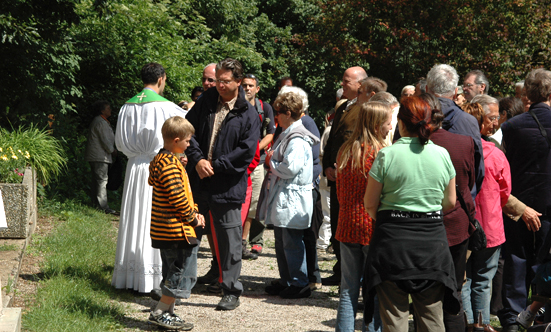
(291, 256)
(353, 257)
(476, 294)
(179, 271)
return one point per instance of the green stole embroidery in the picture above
(146, 96)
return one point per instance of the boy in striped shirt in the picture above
(174, 217)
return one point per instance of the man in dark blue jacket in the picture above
(227, 130)
(442, 82)
(527, 147)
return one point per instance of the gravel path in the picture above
(258, 311)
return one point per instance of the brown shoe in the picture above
(487, 327)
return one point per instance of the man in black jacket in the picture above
(527, 147)
(227, 130)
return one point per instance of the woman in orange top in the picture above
(355, 225)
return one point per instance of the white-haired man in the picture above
(442, 82)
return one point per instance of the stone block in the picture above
(20, 207)
(10, 321)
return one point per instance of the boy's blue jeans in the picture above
(179, 272)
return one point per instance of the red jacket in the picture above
(493, 194)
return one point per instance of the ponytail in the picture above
(416, 115)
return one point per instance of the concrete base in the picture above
(10, 321)
(20, 207)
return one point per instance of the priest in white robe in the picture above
(138, 136)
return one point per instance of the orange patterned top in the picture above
(355, 225)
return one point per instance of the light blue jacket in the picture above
(289, 200)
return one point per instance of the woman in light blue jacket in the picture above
(289, 203)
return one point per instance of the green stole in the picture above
(146, 96)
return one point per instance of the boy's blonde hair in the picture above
(177, 127)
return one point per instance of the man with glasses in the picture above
(209, 76)
(227, 130)
(253, 228)
(474, 84)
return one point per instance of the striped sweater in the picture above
(173, 212)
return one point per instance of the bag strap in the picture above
(463, 205)
(259, 108)
(542, 130)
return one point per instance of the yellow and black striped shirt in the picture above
(173, 212)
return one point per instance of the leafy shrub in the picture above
(30, 147)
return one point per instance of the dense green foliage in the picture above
(401, 40)
(59, 56)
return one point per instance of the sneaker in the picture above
(295, 292)
(185, 326)
(228, 302)
(275, 288)
(211, 276)
(257, 249)
(215, 288)
(526, 318)
(170, 321)
(246, 253)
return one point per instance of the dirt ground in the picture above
(257, 312)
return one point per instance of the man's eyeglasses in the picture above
(211, 80)
(223, 82)
(469, 85)
(493, 118)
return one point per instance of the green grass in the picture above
(75, 294)
(8, 247)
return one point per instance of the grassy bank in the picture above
(75, 293)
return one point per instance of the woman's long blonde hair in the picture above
(366, 136)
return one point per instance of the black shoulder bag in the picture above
(477, 240)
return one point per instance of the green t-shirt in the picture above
(414, 176)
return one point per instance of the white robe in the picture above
(138, 136)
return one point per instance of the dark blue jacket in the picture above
(309, 124)
(458, 122)
(528, 153)
(233, 151)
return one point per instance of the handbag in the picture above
(477, 240)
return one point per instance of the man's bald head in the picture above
(351, 81)
(209, 76)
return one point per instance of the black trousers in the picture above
(334, 212)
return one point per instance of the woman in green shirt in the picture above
(410, 184)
